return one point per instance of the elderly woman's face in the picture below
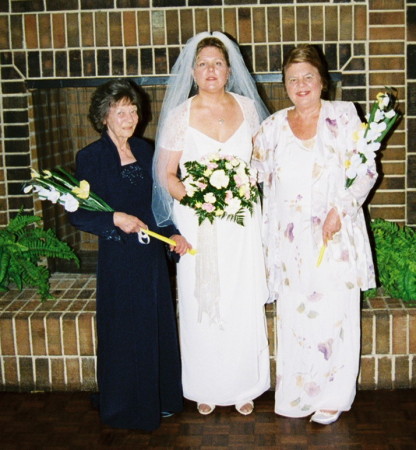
(303, 84)
(211, 71)
(121, 120)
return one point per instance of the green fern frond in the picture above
(51, 247)
(4, 264)
(22, 246)
(395, 250)
(6, 237)
(21, 221)
(16, 278)
(22, 265)
(34, 275)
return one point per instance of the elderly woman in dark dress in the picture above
(138, 359)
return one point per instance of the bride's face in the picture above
(211, 70)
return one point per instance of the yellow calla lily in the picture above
(34, 173)
(83, 191)
(380, 96)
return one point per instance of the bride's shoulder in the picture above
(181, 108)
(242, 99)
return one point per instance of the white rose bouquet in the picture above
(380, 121)
(220, 186)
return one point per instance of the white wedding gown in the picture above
(225, 356)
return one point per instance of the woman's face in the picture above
(211, 71)
(121, 120)
(303, 84)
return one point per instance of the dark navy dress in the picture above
(138, 357)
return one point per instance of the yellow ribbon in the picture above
(321, 255)
(191, 251)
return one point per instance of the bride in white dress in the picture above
(222, 290)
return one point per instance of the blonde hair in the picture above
(213, 42)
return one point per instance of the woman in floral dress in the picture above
(300, 153)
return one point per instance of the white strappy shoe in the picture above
(324, 417)
(204, 411)
(246, 411)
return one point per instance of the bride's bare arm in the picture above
(175, 186)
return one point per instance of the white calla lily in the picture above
(70, 203)
(369, 136)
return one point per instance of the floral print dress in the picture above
(318, 308)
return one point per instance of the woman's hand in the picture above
(182, 245)
(331, 225)
(128, 223)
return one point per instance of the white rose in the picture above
(210, 198)
(219, 179)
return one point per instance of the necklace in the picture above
(221, 121)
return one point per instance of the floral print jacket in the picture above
(337, 124)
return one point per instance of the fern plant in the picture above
(395, 254)
(22, 245)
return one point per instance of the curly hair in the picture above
(108, 95)
(307, 53)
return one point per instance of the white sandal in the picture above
(205, 413)
(325, 417)
(239, 407)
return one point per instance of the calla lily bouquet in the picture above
(380, 121)
(59, 186)
(220, 187)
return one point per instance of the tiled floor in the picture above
(379, 420)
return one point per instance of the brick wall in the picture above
(51, 346)
(370, 43)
